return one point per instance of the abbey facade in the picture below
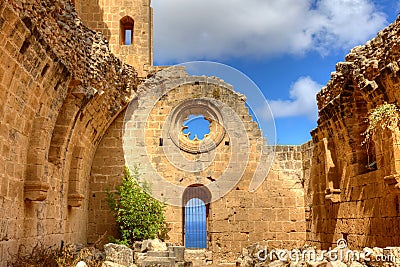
(81, 99)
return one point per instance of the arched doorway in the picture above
(196, 199)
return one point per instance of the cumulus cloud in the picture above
(213, 29)
(302, 100)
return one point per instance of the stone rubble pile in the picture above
(89, 256)
(199, 257)
(258, 256)
(152, 252)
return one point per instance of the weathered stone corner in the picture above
(393, 183)
(333, 195)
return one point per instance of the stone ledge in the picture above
(75, 200)
(393, 182)
(36, 190)
(333, 195)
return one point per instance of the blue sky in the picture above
(202, 127)
(288, 48)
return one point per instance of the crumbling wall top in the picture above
(364, 64)
(84, 52)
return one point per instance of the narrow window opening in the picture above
(161, 142)
(126, 25)
(44, 70)
(227, 143)
(371, 157)
(24, 47)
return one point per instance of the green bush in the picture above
(138, 215)
(385, 116)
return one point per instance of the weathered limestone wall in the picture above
(105, 15)
(353, 197)
(274, 214)
(58, 95)
(106, 173)
(61, 94)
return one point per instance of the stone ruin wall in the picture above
(350, 200)
(274, 215)
(60, 88)
(62, 91)
(104, 16)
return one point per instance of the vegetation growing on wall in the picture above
(385, 116)
(137, 214)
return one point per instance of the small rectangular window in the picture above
(126, 32)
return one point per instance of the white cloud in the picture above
(212, 29)
(302, 100)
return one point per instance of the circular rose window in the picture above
(186, 139)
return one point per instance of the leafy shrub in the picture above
(137, 214)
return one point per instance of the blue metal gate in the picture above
(195, 224)
(195, 200)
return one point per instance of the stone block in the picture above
(289, 202)
(297, 214)
(153, 245)
(299, 236)
(119, 254)
(112, 264)
(261, 227)
(282, 214)
(178, 252)
(240, 237)
(275, 226)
